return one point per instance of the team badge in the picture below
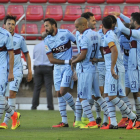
(46, 47)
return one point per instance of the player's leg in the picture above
(65, 85)
(48, 78)
(84, 93)
(38, 81)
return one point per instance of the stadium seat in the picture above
(109, 9)
(2, 12)
(4, 1)
(18, 1)
(132, 1)
(37, 1)
(16, 10)
(57, 1)
(42, 29)
(76, 1)
(34, 12)
(95, 1)
(115, 1)
(94, 9)
(70, 27)
(72, 13)
(30, 29)
(54, 11)
(128, 10)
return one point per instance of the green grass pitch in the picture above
(36, 125)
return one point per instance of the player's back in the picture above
(60, 44)
(5, 45)
(110, 36)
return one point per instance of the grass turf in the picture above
(36, 125)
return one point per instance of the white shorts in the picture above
(115, 87)
(62, 76)
(127, 84)
(101, 76)
(133, 80)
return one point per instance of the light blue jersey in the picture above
(6, 44)
(111, 37)
(60, 44)
(117, 32)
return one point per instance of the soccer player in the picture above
(19, 45)
(114, 79)
(134, 56)
(59, 51)
(6, 51)
(99, 101)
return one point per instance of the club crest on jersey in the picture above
(46, 47)
(14, 43)
(62, 38)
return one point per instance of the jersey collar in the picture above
(85, 30)
(108, 30)
(138, 28)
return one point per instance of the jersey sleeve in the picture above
(9, 42)
(71, 37)
(24, 46)
(135, 33)
(125, 18)
(122, 28)
(47, 48)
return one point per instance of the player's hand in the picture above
(74, 76)
(94, 60)
(29, 76)
(72, 67)
(116, 14)
(115, 76)
(10, 77)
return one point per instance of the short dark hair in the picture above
(51, 20)
(114, 20)
(9, 17)
(87, 15)
(107, 22)
(136, 17)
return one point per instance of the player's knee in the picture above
(112, 97)
(12, 94)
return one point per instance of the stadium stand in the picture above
(109, 9)
(37, 1)
(54, 11)
(115, 1)
(72, 13)
(29, 29)
(42, 29)
(16, 10)
(95, 1)
(18, 1)
(2, 12)
(70, 27)
(132, 1)
(128, 10)
(94, 9)
(34, 12)
(57, 1)
(76, 1)
(4, 1)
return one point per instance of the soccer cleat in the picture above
(131, 123)
(92, 124)
(61, 124)
(109, 120)
(105, 124)
(3, 126)
(123, 123)
(98, 121)
(109, 127)
(85, 120)
(15, 117)
(79, 124)
(137, 125)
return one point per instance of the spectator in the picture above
(43, 71)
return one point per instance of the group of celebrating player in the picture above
(102, 70)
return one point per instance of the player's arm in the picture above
(28, 60)
(114, 56)
(11, 65)
(57, 61)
